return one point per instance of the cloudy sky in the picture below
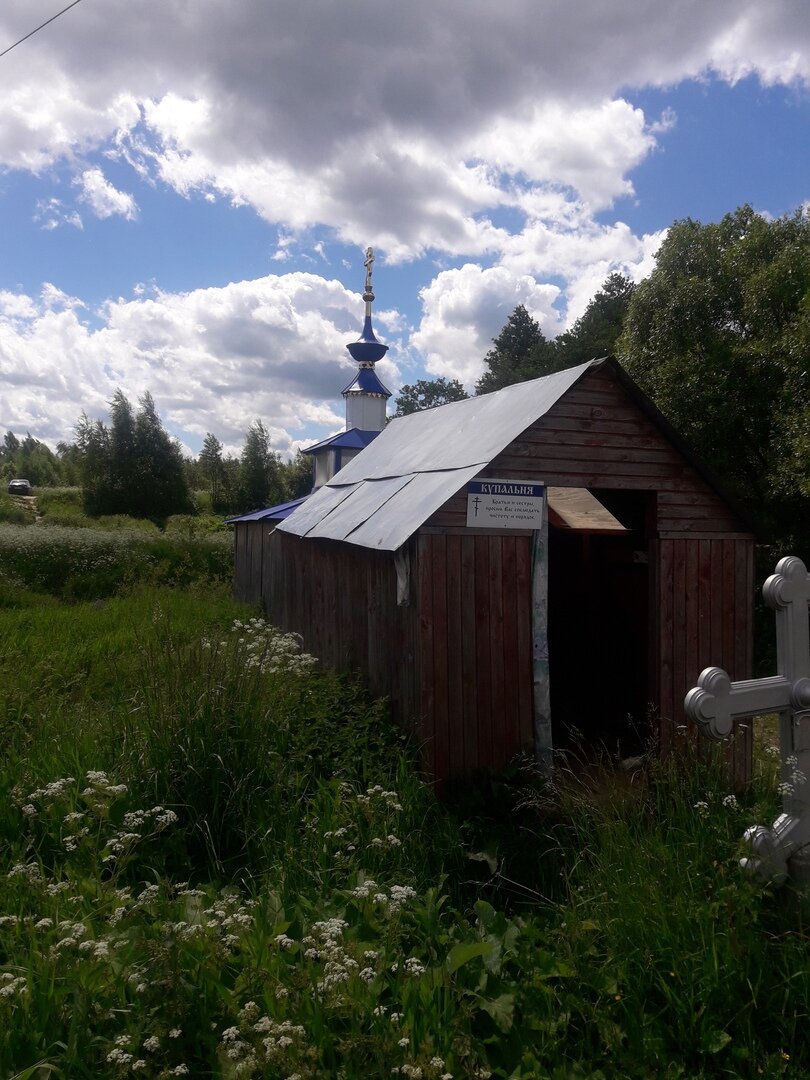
(187, 186)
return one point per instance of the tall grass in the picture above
(94, 563)
(218, 860)
(15, 511)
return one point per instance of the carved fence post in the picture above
(716, 702)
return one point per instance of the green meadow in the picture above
(218, 860)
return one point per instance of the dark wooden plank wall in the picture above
(700, 553)
(474, 647)
(243, 588)
(704, 590)
(248, 559)
(342, 600)
(597, 437)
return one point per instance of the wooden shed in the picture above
(491, 641)
(251, 536)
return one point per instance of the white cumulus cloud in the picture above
(103, 198)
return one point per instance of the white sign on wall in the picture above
(505, 504)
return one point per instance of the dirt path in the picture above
(30, 501)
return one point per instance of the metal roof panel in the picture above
(364, 500)
(462, 433)
(393, 523)
(270, 513)
(318, 506)
(427, 457)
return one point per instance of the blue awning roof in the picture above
(272, 513)
(366, 381)
(353, 439)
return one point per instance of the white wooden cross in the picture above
(716, 702)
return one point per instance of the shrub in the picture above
(191, 527)
(14, 511)
(88, 563)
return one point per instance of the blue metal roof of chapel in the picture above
(353, 439)
(367, 381)
(272, 513)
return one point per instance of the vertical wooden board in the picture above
(376, 637)
(716, 576)
(278, 594)
(425, 650)
(335, 613)
(270, 589)
(282, 602)
(511, 671)
(483, 670)
(523, 613)
(496, 653)
(469, 666)
(678, 631)
(691, 587)
(743, 597)
(653, 631)
(399, 642)
(318, 576)
(455, 646)
(256, 559)
(239, 567)
(743, 634)
(295, 615)
(267, 570)
(727, 654)
(705, 586)
(411, 667)
(666, 639)
(441, 712)
(332, 597)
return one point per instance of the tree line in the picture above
(131, 465)
(718, 336)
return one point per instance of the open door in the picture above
(598, 624)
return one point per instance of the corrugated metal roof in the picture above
(427, 456)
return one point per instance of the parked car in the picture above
(19, 487)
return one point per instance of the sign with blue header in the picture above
(505, 504)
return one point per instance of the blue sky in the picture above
(186, 191)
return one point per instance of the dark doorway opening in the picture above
(598, 631)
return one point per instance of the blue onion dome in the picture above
(368, 349)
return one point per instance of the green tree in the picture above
(719, 335)
(93, 444)
(11, 444)
(519, 352)
(29, 459)
(124, 472)
(159, 487)
(260, 477)
(70, 459)
(597, 330)
(134, 467)
(213, 468)
(298, 476)
(427, 394)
